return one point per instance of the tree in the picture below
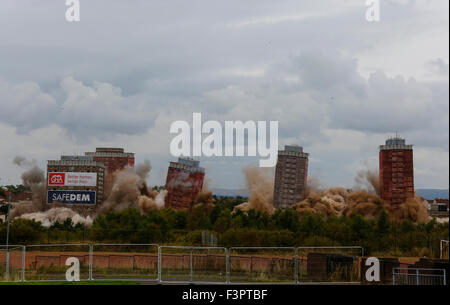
(181, 220)
(287, 219)
(383, 225)
(223, 223)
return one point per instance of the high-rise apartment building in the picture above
(113, 158)
(396, 171)
(75, 180)
(290, 176)
(184, 181)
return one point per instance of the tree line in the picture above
(285, 228)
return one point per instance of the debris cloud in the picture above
(260, 183)
(33, 178)
(129, 190)
(59, 214)
(369, 180)
(365, 202)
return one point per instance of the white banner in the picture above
(72, 179)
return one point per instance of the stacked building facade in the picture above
(75, 180)
(84, 180)
(114, 159)
(291, 176)
(396, 171)
(184, 181)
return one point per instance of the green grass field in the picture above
(75, 283)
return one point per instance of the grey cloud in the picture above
(113, 75)
(438, 66)
(25, 106)
(83, 111)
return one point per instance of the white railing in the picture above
(418, 276)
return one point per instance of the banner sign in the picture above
(72, 179)
(71, 197)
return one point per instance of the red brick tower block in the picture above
(396, 171)
(114, 158)
(184, 181)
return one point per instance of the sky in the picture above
(337, 84)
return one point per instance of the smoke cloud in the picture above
(341, 202)
(369, 180)
(59, 214)
(34, 178)
(260, 183)
(19, 160)
(129, 190)
(326, 203)
(204, 197)
(143, 169)
(155, 201)
(312, 185)
(203, 201)
(334, 201)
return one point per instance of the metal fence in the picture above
(12, 260)
(125, 262)
(48, 262)
(181, 264)
(192, 264)
(418, 276)
(329, 264)
(274, 265)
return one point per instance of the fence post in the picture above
(417, 276)
(361, 276)
(393, 276)
(159, 264)
(296, 266)
(445, 279)
(191, 277)
(91, 261)
(23, 263)
(227, 265)
(7, 239)
(7, 265)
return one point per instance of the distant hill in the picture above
(431, 194)
(425, 193)
(230, 193)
